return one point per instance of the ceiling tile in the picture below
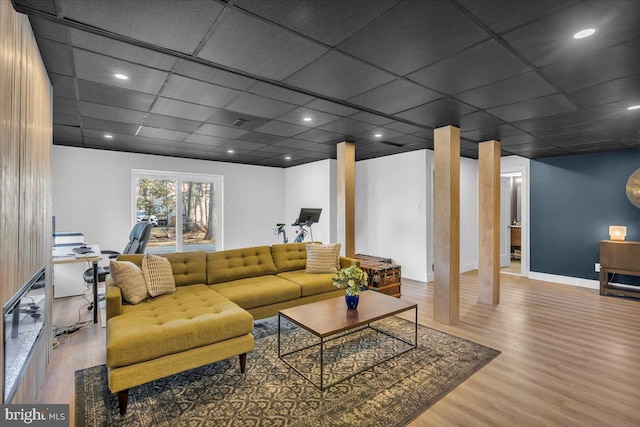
(523, 138)
(65, 105)
(280, 93)
(594, 147)
(108, 126)
(406, 139)
(114, 96)
(106, 112)
(503, 15)
(373, 119)
(397, 95)
(207, 140)
(625, 88)
(171, 135)
(197, 92)
(66, 119)
(116, 138)
(477, 120)
(298, 115)
(554, 121)
(347, 127)
(479, 65)
(262, 138)
(102, 144)
(318, 135)
(606, 64)
(328, 23)
(167, 122)
(295, 143)
(212, 75)
(539, 107)
(63, 86)
(526, 86)
(550, 39)
(121, 50)
(385, 134)
(403, 127)
(97, 68)
(171, 107)
(175, 25)
(245, 43)
(259, 106)
(154, 141)
(275, 149)
(220, 131)
(275, 127)
(56, 57)
(67, 131)
(244, 145)
(228, 118)
(338, 76)
(616, 110)
(43, 28)
(442, 112)
(490, 133)
(412, 35)
(331, 107)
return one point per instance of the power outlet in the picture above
(597, 267)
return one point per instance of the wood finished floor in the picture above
(569, 356)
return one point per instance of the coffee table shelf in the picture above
(330, 319)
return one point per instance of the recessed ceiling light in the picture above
(287, 158)
(230, 151)
(107, 136)
(307, 119)
(378, 135)
(633, 107)
(584, 33)
(121, 76)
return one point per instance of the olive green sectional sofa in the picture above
(210, 315)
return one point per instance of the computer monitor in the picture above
(308, 216)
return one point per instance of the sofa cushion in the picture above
(258, 291)
(158, 275)
(189, 268)
(225, 266)
(129, 278)
(289, 257)
(191, 317)
(323, 258)
(310, 284)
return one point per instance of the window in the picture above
(185, 210)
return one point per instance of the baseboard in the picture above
(565, 280)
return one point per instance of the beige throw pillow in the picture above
(323, 258)
(129, 278)
(158, 275)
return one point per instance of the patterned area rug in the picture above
(391, 393)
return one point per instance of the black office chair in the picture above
(138, 239)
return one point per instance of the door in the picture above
(505, 220)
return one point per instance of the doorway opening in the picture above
(511, 223)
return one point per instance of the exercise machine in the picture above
(306, 218)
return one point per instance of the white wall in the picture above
(92, 193)
(468, 214)
(311, 185)
(391, 210)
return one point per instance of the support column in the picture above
(345, 184)
(489, 222)
(446, 237)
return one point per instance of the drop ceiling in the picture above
(280, 82)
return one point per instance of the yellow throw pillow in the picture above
(322, 258)
(129, 278)
(158, 275)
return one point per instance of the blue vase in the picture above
(352, 300)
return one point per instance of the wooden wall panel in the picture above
(25, 175)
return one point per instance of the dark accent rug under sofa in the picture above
(271, 394)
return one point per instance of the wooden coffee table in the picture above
(327, 318)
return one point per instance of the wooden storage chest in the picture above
(383, 277)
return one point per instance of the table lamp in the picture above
(617, 232)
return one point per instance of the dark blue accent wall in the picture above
(574, 200)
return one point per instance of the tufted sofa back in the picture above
(289, 257)
(224, 266)
(189, 268)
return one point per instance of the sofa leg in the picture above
(123, 399)
(243, 362)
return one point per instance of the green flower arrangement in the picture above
(352, 279)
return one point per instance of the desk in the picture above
(65, 255)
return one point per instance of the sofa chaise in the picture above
(210, 315)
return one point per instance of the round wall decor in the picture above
(633, 188)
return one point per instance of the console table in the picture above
(621, 257)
